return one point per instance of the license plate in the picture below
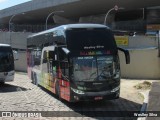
(98, 98)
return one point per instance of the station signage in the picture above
(121, 40)
(153, 27)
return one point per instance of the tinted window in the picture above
(92, 39)
(6, 59)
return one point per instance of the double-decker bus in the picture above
(77, 62)
(6, 64)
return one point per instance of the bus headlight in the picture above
(115, 89)
(10, 73)
(77, 91)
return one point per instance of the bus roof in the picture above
(70, 26)
(5, 45)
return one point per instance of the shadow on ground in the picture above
(11, 88)
(118, 109)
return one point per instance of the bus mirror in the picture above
(66, 51)
(127, 56)
(59, 40)
(15, 55)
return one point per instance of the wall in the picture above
(145, 64)
(21, 63)
(15, 39)
(142, 42)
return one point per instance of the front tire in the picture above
(57, 90)
(35, 79)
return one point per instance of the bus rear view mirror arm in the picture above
(127, 55)
(66, 51)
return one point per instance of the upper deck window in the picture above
(90, 39)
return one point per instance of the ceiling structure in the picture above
(36, 11)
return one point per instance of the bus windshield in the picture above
(93, 68)
(6, 60)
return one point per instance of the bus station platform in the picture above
(150, 109)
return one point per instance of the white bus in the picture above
(6, 63)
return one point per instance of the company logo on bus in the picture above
(94, 47)
(107, 52)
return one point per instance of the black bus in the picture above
(77, 62)
(6, 64)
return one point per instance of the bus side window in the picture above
(62, 56)
(48, 62)
(65, 69)
(52, 63)
(63, 63)
(37, 57)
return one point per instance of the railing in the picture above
(130, 25)
(138, 25)
(26, 28)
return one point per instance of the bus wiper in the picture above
(85, 79)
(92, 75)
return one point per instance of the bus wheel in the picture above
(35, 79)
(57, 90)
(32, 77)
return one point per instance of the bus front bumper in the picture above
(6, 76)
(94, 96)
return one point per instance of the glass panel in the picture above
(84, 68)
(6, 61)
(96, 39)
(93, 68)
(105, 67)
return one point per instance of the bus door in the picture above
(49, 68)
(45, 70)
(52, 69)
(63, 76)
